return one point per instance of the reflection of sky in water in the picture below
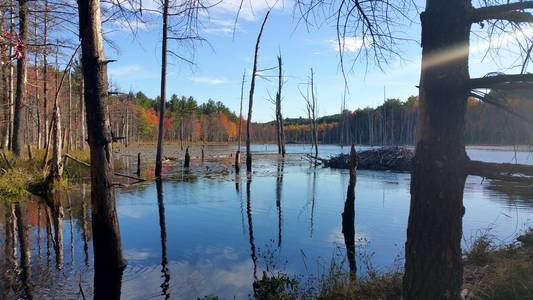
(208, 246)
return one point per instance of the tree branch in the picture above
(502, 81)
(511, 12)
(501, 171)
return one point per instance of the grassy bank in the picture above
(491, 271)
(24, 175)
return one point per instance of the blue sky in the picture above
(220, 63)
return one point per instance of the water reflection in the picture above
(10, 266)
(23, 230)
(279, 185)
(163, 228)
(202, 246)
(251, 226)
(348, 218)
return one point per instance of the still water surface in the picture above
(209, 236)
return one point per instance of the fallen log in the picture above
(115, 173)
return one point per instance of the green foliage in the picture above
(480, 251)
(280, 286)
(14, 184)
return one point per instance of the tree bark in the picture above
(159, 154)
(251, 96)
(20, 97)
(4, 96)
(433, 266)
(108, 259)
(45, 74)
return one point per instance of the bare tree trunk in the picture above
(11, 106)
(69, 138)
(159, 154)
(251, 98)
(433, 266)
(279, 117)
(108, 259)
(238, 154)
(4, 96)
(82, 113)
(19, 115)
(45, 74)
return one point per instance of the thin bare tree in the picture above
(251, 96)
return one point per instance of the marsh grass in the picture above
(491, 271)
(500, 272)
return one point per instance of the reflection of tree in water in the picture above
(54, 201)
(313, 197)
(9, 263)
(162, 225)
(250, 226)
(25, 250)
(515, 193)
(348, 216)
(279, 184)
(85, 225)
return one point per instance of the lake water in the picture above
(216, 237)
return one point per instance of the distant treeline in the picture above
(136, 116)
(394, 123)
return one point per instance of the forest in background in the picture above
(135, 117)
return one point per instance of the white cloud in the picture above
(348, 44)
(209, 80)
(221, 26)
(124, 70)
(251, 10)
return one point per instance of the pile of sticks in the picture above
(386, 158)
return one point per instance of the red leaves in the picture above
(11, 39)
(153, 118)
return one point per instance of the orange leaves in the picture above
(153, 119)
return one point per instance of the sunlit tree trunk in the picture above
(107, 246)
(433, 267)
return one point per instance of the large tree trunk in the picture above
(19, 114)
(433, 267)
(108, 260)
(159, 154)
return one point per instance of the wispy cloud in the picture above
(222, 26)
(251, 10)
(348, 44)
(209, 80)
(124, 70)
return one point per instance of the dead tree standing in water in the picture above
(280, 132)
(348, 215)
(238, 154)
(310, 101)
(159, 154)
(251, 98)
(108, 259)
